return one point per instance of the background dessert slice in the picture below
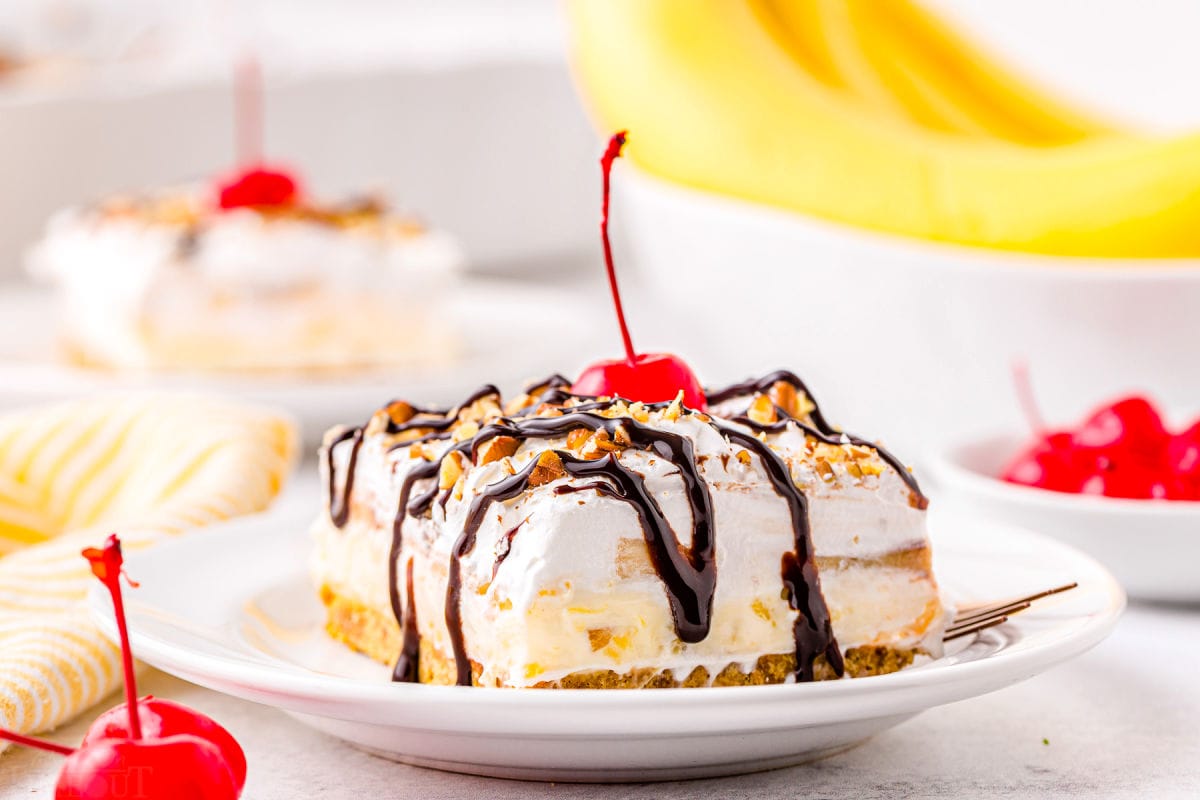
(257, 278)
(564, 541)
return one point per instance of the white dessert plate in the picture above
(1151, 546)
(510, 332)
(232, 609)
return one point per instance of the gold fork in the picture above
(974, 618)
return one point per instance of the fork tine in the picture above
(982, 626)
(973, 609)
(990, 611)
(982, 619)
(973, 619)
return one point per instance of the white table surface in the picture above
(1121, 721)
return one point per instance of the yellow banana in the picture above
(903, 62)
(961, 75)
(823, 38)
(711, 102)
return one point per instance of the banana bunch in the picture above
(873, 113)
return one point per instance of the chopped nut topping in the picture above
(831, 452)
(784, 395)
(496, 449)
(465, 430)
(577, 438)
(485, 408)
(617, 409)
(621, 436)
(858, 452)
(743, 457)
(675, 410)
(451, 470)
(762, 410)
(399, 411)
(794, 404)
(601, 442)
(549, 468)
(638, 411)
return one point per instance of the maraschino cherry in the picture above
(1123, 449)
(255, 185)
(149, 748)
(258, 187)
(648, 377)
(1183, 454)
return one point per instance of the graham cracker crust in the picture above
(368, 631)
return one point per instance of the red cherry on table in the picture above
(181, 758)
(648, 377)
(162, 719)
(175, 768)
(1131, 424)
(149, 749)
(258, 188)
(652, 378)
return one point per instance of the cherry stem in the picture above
(1027, 399)
(248, 111)
(611, 154)
(107, 565)
(37, 744)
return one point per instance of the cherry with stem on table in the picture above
(147, 748)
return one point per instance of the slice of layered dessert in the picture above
(250, 275)
(564, 540)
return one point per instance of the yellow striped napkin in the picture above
(144, 467)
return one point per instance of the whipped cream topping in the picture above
(559, 578)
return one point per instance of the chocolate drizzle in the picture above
(820, 430)
(690, 579)
(407, 665)
(688, 573)
(762, 386)
(339, 505)
(502, 490)
(813, 628)
(553, 381)
(436, 425)
(506, 540)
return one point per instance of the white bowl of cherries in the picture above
(1122, 486)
